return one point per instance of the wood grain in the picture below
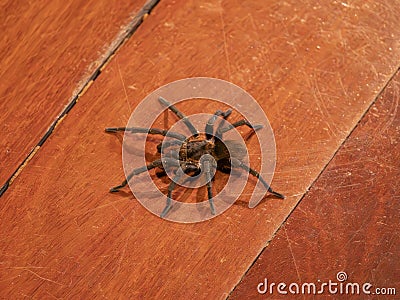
(48, 51)
(349, 221)
(314, 68)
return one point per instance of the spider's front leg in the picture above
(221, 131)
(180, 115)
(207, 166)
(209, 129)
(171, 188)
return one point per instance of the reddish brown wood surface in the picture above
(48, 50)
(349, 221)
(314, 68)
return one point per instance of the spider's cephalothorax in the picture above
(191, 152)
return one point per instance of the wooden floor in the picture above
(325, 73)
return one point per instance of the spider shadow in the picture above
(125, 194)
(118, 135)
(248, 135)
(245, 204)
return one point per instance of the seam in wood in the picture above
(120, 40)
(32, 154)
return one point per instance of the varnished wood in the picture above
(314, 68)
(48, 51)
(349, 221)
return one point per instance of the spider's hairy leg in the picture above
(207, 169)
(162, 132)
(209, 129)
(225, 115)
(152, 165)
(210, 197)
(171, 187)
(167, 144)
(221, 131)
(157, 163)
(180, 115)
(238, 164)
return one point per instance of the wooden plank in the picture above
(349, 221)
(314, 69)
(49, 49)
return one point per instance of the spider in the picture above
(190, 156)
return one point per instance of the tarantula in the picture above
(189, 156)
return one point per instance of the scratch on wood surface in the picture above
(291, 252)
(231, 224)
(124, 86)
(41, 277)
(51, 295)
(225, 45)
(123, 252)
(103, 206)
(10, 278)
(362, 58)
(319, 101)
(266, 70)
(187, 231)
(361, 228)
(347, 186)
(379, 130)
(289, 34)
(118, 211)
(393, 107)
(341, 84)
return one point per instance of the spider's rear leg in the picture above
(209, 129)
(238, 164)
(137, 171)
(152, 165)
(180, 115)
(222, 130)
(162, 132)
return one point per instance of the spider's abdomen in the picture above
(236, 149)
